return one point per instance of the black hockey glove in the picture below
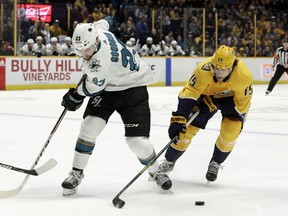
(72, 100)
(177, 126)
(55, 53)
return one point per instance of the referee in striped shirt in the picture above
(280, 60)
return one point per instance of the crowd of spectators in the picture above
(153, 26)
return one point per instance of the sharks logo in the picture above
(94, 65)
(98, 82)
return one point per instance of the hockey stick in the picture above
(117, 202)
(38, 171)
(17, 190)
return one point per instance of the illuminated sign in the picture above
(35, 11)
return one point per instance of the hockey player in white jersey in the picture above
(54, 48)
(27, 49)
(116, 80)
(66, 48)
(39, 48)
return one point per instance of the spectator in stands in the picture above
(47, 33)
(180, 42)
(142, 29)
(266, 52)
(241, 52)
(71, 30)
(129, 31)
(210, 24)
(164, 21)
(232, 40)
(148, 49)
(27, 49)
(8, 31)
(189, 41)
(34, 30)
(233, 17)
(86, 17)
(169, 38)
(110, 17)
(39, 48)
(76, 13)
(66, 48)
(176, 20)
(6, 49)
(55, 28)
(194, 26)
(96, 14)
(175, 49)
(156, 36)
(193, 52)
(54, 48)
(80, 3)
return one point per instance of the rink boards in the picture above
(64, 72)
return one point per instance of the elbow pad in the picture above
(185, 106)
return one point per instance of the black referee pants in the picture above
(280, 69)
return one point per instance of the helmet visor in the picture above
(86, 53)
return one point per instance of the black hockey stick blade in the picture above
(117, 202)
(50, 164)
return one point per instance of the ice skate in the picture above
(70, 184)
(166, 166)
(212, 172)
(162, 180)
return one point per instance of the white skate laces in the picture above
(212, 172)
(70, 184)
(162, 180)
(166, 166)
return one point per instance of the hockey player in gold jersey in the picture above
(221, 82)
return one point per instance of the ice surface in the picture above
(252, 183)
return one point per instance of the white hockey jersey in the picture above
(114, 66)
(25, 51)
(67, 51)
(39, 49)
(53, 50)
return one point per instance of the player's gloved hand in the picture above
(177, 126)
(72, 100)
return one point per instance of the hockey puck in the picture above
(199, 203)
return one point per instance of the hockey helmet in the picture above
(67, 39)
(84, 37)
(30, 41)
(223, 57)
(54, 39)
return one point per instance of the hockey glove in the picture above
(72, 100)
(177, 126)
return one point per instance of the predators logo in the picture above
(227, 93)
(206, 67)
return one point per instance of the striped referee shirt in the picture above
(280, 57)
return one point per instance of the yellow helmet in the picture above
(223, 57)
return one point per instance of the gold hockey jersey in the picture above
(237, 85)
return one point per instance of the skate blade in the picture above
(69, 192)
